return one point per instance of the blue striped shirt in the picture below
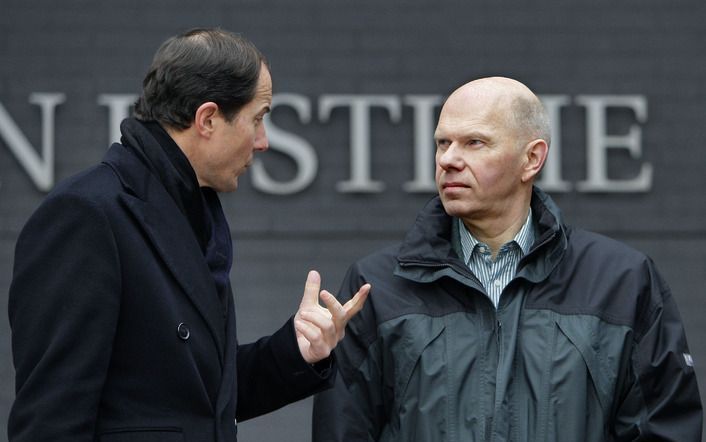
(495, 275)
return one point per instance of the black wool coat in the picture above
(118, 333)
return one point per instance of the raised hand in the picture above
(320, 328)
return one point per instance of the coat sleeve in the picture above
(353, 410)
(661, 400)
(63, 309)
(272, 373)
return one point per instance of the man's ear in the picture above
(536, 154)
(204, 118)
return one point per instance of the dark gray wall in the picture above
(649, 48)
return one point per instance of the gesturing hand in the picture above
(320, 328)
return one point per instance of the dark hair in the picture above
(195, 67)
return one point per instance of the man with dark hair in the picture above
(495, 321)
(122, 316)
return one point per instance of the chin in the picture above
(227, 187)
(455, 207)
(232, 187)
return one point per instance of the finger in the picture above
(319, 314)
(318, 347)
(321, 320)
(357, 302)
(311, 289)
(338, 313)
(308, 330)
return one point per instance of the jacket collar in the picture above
(431, 249)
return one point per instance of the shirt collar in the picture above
(524, 238)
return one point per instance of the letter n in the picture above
(40, 168)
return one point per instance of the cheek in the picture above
(490, 172)
(243, 150)
(239, 144)
(501, 172)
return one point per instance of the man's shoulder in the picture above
(603, 277)
(600, 246)
(382, 258)
(87, 182)
(101, 182)
(96, 186)
(93, 191)
(389, 251)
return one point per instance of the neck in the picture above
(495, 232)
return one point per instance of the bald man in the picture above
(495, 321)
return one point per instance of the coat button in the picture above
(183, 331)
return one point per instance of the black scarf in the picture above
(200, 205)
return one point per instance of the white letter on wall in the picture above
(598, 142)
(118, 109)
(39, 168)
(292, 145)
(360, 135)
(424, 106)
(551, 179)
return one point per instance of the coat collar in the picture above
(431, 248)
(164, 159)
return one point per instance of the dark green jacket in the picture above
(586, 345)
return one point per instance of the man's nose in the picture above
(261, 142)
(450, 158)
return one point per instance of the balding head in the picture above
(513, 102)
(491, 143)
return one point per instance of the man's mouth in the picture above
(453, 185)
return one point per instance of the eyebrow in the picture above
(440, 133)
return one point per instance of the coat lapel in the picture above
(228, 392)
(172, 236)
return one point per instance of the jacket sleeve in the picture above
(661, 400)
(353, 410)
(272, 373)
(63, 309)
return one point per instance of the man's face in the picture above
(231, 149)
(478, 157)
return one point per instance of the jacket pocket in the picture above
(418, 357)
(145, 434)
(411, 353)
(579, 340)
